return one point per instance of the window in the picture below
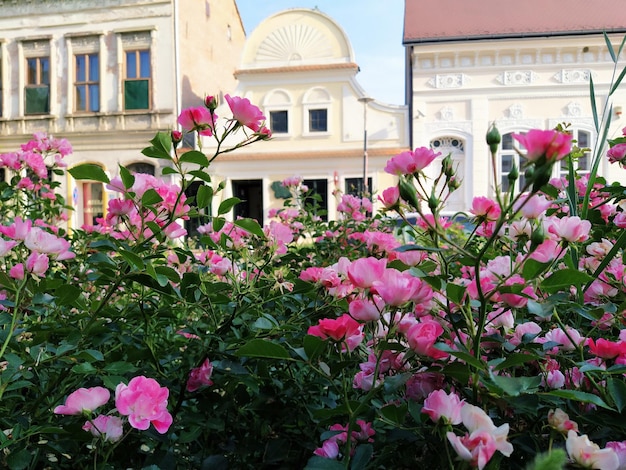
(146, 168)
(455, 147)
(581, 164)
(317, 202)
(87, 82)
(93, 203)
(318, 120)
(37, 89)
(251, 194)
(137, 79)
(354, 186)
(1, 93)
(278, 122)
(508, 158)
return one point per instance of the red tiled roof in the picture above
(453, 20)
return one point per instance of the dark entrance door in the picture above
(251, 195)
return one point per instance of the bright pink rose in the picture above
(245, 113)
(200, 376)
(144, 401)
(83, 400)
(422, 337)
(550, 144)
(440, 405)
(366, 310)
(120, 206)
(345, 328)
(606, 349)
(485, 208)
(110, 428)
(408, 163)
(17, 271)
(197, 119)
(363, 272)
(390, 197)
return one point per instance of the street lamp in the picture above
(365, 100)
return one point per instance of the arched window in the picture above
(582, 164)
(277, 104)
(317, 112)
(455, 147)
(508, 158)
(141, 167)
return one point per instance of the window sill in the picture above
(316, 134)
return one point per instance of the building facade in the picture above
(521, 65)
(109, 74)
(298, 66)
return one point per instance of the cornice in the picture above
(9, 8)
(312, 155)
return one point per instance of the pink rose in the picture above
(485, 208)
(83, 399)
(440, 405)
(617, 154)
(422, 337)
(144, 401)
(588, 454)
(408, 163)
(245, 113)
(551, 145)
(200, 376)
(197, 119)
(344, 328)
(363, 272)
(110, 428)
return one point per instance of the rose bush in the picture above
(357, 343)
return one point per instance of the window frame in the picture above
(561, 169)
(516, 159)
(88, 82)
(311, 120)
(316, 99)
(271, 122)
(38, 82)
(137, 51)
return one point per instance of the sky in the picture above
(374, 28)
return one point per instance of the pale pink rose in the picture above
(17, 271)
(568, 341)
(547, 251)
(365, 309)
(407, 163)
(397, 288)
(533, 207)
(37, 263)
(6, 246)
(588, 454)
(570, 229)
(197, 119)
(144, 401)
(18, 230)
(110, 428)
(83, 400)
(485, 208)
(120, 207)
(291, 182)
(548, 144)
(363, 272)
(200, 376)
(528, 328)
(620, 450)
(116, 184)
(620, 220)
(329, 449)
(555, 379)
(559, 420)
(44, 242)
(476, 448)
(245, 113)
(475, 419)
(599, 249)
(440, 405)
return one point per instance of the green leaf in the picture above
(203, 175)
(204, 196)
(583, 397)
(262, 348)
(66, 294)
(89, 171)
(395, 413)
(516, 359)
(168, 170)
(514, 386)
(617, 391)
(564, 279)
(618, 81)
(313, 346)
(320, 463)
(464, 356)
(361, 457)
(161, 146)
(556, 459)
(150, 197)
(194, 156)
(19, 460)
(455, 293)
(132, 259)
(127, 178)
(84, 368)
(119, 368)
(533, 268)
(594, 109)
(227, 204)
(250, 226)
(610, 47)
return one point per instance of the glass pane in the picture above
(31, 72)
(94, 98)
(81, 98)
(80, 68)
(583, 163)
(37, 100)
(94, 68)
(317, 120)
(131, 64)
(507, 141)
(44, 63)
(278, 122)
(583, 139)
(144, 58)
(504, 183)
(507, 163)
(136, 94)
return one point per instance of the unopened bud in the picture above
(177, 136)
(537, 237)
(433, 202)
(446, 166)
(453, 184)
(408, 192)
(211, 102)
(493, 138)
(513, 174)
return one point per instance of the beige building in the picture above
(298, 66)
(108, 74)
(522, 65)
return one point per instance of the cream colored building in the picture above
(108, 74)
(522, 65)
(298, 66)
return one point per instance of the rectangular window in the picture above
(278, 122)
(137, 80)
(354, 186)
(37, 88)
(582, 163)
(318, 121)
(87, 82)
(1, 85)
(317, 202)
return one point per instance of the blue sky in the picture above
(374, 28)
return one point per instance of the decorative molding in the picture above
(136, 38)
(294, 43)
(517, 77)
(573, 76)
(36, 47)
(463, 127)
(574, 109)
(446, 114)
(515, 111)
(452, 80)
